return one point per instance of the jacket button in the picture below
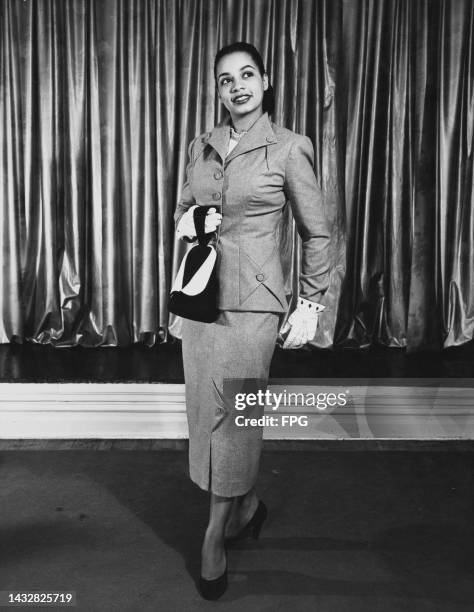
(218, 175)
(260, 277)
(269, 139)
(216, 196)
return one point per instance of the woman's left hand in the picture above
(302, 324)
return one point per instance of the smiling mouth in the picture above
(241, 99)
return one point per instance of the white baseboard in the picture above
(157, 411)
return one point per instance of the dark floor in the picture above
(347, 531)
(351, 531)
(163, 363)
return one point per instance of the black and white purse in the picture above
(194, 291)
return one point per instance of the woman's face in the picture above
(240, 85)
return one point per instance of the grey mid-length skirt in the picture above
(224, 458)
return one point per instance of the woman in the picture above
(250, 168)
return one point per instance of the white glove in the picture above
(302, 324)
(186, 226)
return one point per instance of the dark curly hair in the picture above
(268, 103)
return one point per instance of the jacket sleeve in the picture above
(306, 202)
(187, 200)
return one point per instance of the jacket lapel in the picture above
(260, 134)
(219, 138)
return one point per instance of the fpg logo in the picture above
(293, 419)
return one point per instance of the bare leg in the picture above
(213, 559)
(243, 508)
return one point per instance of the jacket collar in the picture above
(261, 134)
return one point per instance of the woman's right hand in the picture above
(213, 220)
(186, 223)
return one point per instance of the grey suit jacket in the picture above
(269, 167)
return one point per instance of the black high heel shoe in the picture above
(213, 589)
(254, 526)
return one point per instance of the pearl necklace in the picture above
(237, 135)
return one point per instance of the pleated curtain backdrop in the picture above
(99, 100)
(408, 98)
